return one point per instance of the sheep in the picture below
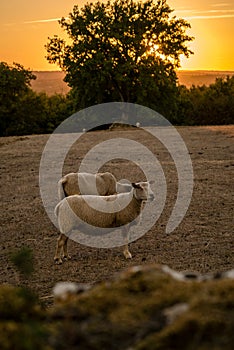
(123, 187)
(102, 184)
(105, 183)
(73, 212)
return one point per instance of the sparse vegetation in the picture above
(127, 312)
(23, 261)
(21, 325)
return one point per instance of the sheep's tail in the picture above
(61, 193)
(56, 209)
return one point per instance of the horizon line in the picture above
(179, 69)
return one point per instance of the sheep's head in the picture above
(143, 191)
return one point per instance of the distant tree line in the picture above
(207, 105)
(23, 111)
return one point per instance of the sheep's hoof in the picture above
(66, 257)
(58, 261)
(128, 255)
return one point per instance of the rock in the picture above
(65, 290)
(173, 312)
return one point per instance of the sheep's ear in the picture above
(135, 185)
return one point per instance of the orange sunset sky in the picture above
(25, 26)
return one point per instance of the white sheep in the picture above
(102, 184)
(123, 187)
(74, 212)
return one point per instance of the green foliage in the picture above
(17, 304)
(122, 51)
(205, 105)
(14, 81)
(21, 317)
(23, 261)
(22, 110)
(14, 84)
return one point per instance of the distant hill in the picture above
(52, 82)
(201, 77)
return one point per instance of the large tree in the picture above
(123, 50)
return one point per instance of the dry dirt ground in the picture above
(203, 241)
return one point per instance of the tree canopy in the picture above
(14, 84)
(22, 110)
(121, 50)
(14, 81)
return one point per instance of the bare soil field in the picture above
(203, 242)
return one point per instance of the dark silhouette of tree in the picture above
(207, 105)
(123, 50)
(22, 110)
(14, 84)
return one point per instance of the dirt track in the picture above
(202, 242)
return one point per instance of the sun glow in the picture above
(154, 50)
(25, 28)
(212, 25)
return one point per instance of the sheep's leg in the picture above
(126, 251)
(66, 256)
(60, 246)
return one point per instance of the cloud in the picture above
(220, 4)
(220, 11)
(208, 14)
(35, 21)
(43, 20)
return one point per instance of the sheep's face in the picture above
(143, 191)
